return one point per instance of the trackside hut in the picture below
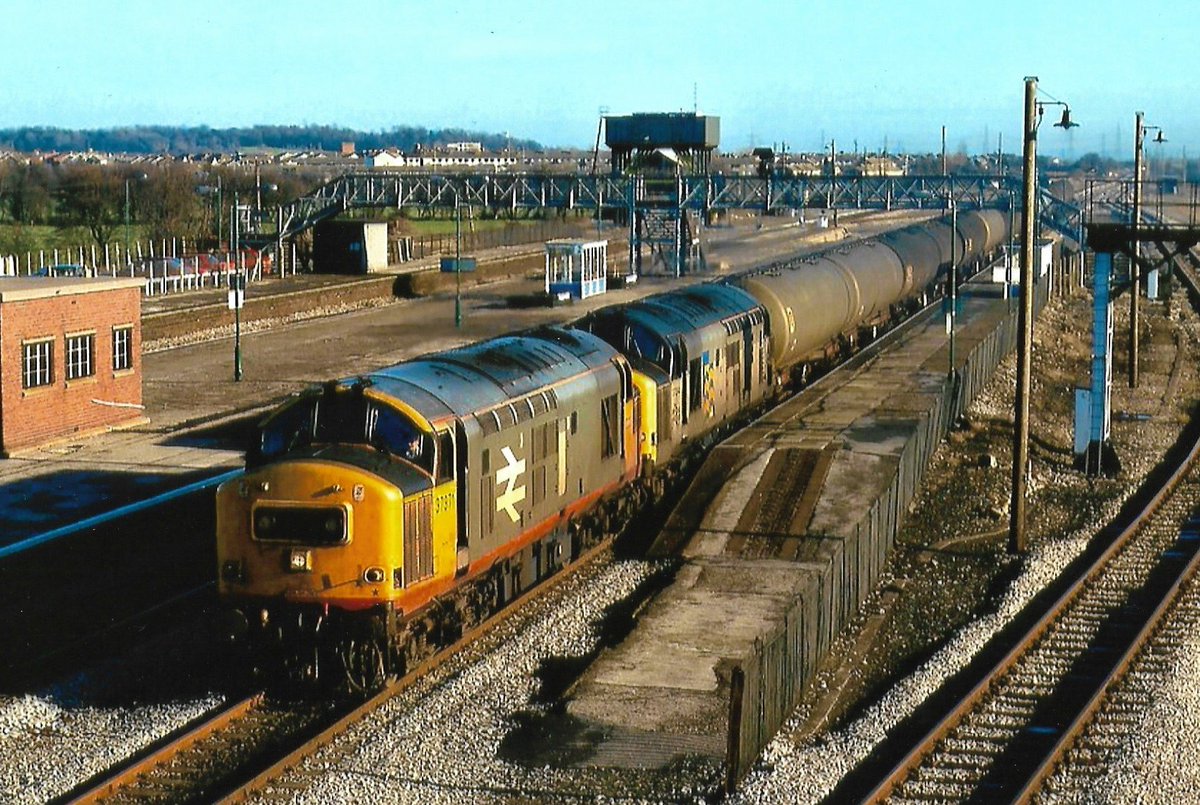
(70, 358)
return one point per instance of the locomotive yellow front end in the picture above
(337, 531)
(290, 532)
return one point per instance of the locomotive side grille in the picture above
(664, 414)
(418, 540)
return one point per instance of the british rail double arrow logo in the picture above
(508, 475)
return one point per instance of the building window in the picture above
(79, 356)
(122, 348)
(37, 364)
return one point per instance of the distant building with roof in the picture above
(70, 358)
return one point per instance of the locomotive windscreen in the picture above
(345, 417)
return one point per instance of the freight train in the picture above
(380, 515)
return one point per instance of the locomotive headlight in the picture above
(300, 561)
(374, 575)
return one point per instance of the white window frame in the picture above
(81, 355)
(122, 357)
(41, 375)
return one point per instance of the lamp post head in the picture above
(1159, 138)
(1066, 122)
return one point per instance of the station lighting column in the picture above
(1020, 468)
(1135, 270)
(1016, 532)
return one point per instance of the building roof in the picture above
(16, 289)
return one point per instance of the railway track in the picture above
(240, 748)
(1004, 738)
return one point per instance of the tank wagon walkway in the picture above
(783, 534)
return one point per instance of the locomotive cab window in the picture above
(394, 433)
(610, 426)
(695, 385)
(290, 428)
(347, 418)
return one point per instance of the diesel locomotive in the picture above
(379, 515)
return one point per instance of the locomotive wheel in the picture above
(364, 664)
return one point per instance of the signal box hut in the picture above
(576, 268)
(70, 358)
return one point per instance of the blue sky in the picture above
(800, 72)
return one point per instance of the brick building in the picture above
(70, 357)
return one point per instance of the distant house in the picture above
(390, 158)
(879, 166)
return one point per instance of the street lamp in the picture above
(1034, 109)
(457, 264)
(952, 313)
(1139, 139)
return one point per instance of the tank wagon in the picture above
(379, 515)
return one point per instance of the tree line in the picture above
(168, 200)
(202, 139)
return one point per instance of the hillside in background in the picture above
(202, 139)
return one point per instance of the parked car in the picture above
(63, 270)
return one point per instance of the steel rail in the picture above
(1084, 717)
(164, 750)
(125, 625)
(243, 792)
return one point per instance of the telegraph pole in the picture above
(1016, 533)
(1135, 270)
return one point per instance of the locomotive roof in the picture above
(682, 313)
(480, 376)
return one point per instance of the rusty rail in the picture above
(901, 771)
(1084, 717)
(243, 792)
(164, 750)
